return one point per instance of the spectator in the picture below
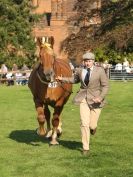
(106, 67)
(14, 67)
(24, 67)
(18, 77)
(125, 64)
(10, 80)
(4, 71)
(24, 76)
(118, 67)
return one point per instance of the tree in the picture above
(77, 42)
(112, 39)
(16, 40)
(116, 30)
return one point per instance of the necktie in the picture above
(86, 80)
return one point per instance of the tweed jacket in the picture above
(97, 87)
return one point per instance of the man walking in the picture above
(93, 89)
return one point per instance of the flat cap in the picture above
(88, 56)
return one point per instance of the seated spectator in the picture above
(4, 71)
(128, 69)
(125, 64)
(24, 75)
(18, 77)
(14, 67)
(118, 67)
(10, 80)
(106, 67)
(24, 67)
(25, 78)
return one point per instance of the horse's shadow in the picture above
(31, 138)
(27, 136)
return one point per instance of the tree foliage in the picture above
(112, 39)
(16, 41)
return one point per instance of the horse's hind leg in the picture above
(41, 120)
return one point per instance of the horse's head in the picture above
(47, 60)
(46, 56)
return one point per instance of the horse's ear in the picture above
(39, 41)
(52, 41)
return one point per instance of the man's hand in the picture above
(97, 100)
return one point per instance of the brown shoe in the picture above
(93, 131)
(85, 152)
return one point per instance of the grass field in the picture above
(24, 154)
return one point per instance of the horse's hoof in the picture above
(49, 134)
(52, 143)
(40, 133)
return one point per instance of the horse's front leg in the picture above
(41, 120)
(55, 123)
(47, 116)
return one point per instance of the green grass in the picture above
(24, 154)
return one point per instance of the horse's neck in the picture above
(61, 67)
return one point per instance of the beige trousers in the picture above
(89, 119)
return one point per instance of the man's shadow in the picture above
(30, 137)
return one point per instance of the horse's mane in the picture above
(62, 68)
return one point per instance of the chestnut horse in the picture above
(48, 92)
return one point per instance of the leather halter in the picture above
(41, 80)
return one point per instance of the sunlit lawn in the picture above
(24, 154)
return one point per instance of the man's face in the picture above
(88, 63)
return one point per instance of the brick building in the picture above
(53, 22)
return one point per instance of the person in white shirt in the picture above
(4, 71)
(118, 67)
